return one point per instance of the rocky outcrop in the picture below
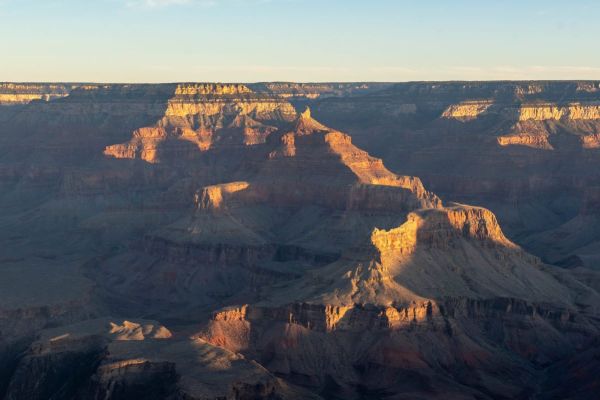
(466, 111)
(544, 112)
(591, 141)
(441, 229)
(533, 141)
(15, 93)
(309, 150)
(316, 151)
(62, 360)
(204, 115)
(195, 89)
(103, 359)
(213, 197)
(294, 339)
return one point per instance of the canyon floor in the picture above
(428, 240)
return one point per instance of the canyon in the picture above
(277, 240)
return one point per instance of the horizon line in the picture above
(299, 81)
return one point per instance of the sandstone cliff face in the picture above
(533, 141)
(204, 116)
(298, 340)
(212, 197)
(321, 156)
(591, 141)
(466, 110)
(439, 228)
(576, 111)
(534, 123)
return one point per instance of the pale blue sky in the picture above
(298, 40)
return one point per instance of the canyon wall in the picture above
(527, 150)
(279, 251)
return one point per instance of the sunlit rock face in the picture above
(527, 150)
(289, 240)
(575, 111)
(465, 111)
(22, 93)
(203, 116)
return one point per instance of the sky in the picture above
(297, 40)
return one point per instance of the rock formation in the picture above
(526, 150)
(103, 359)
(205, 116)
(15, 94)
(207, 241)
